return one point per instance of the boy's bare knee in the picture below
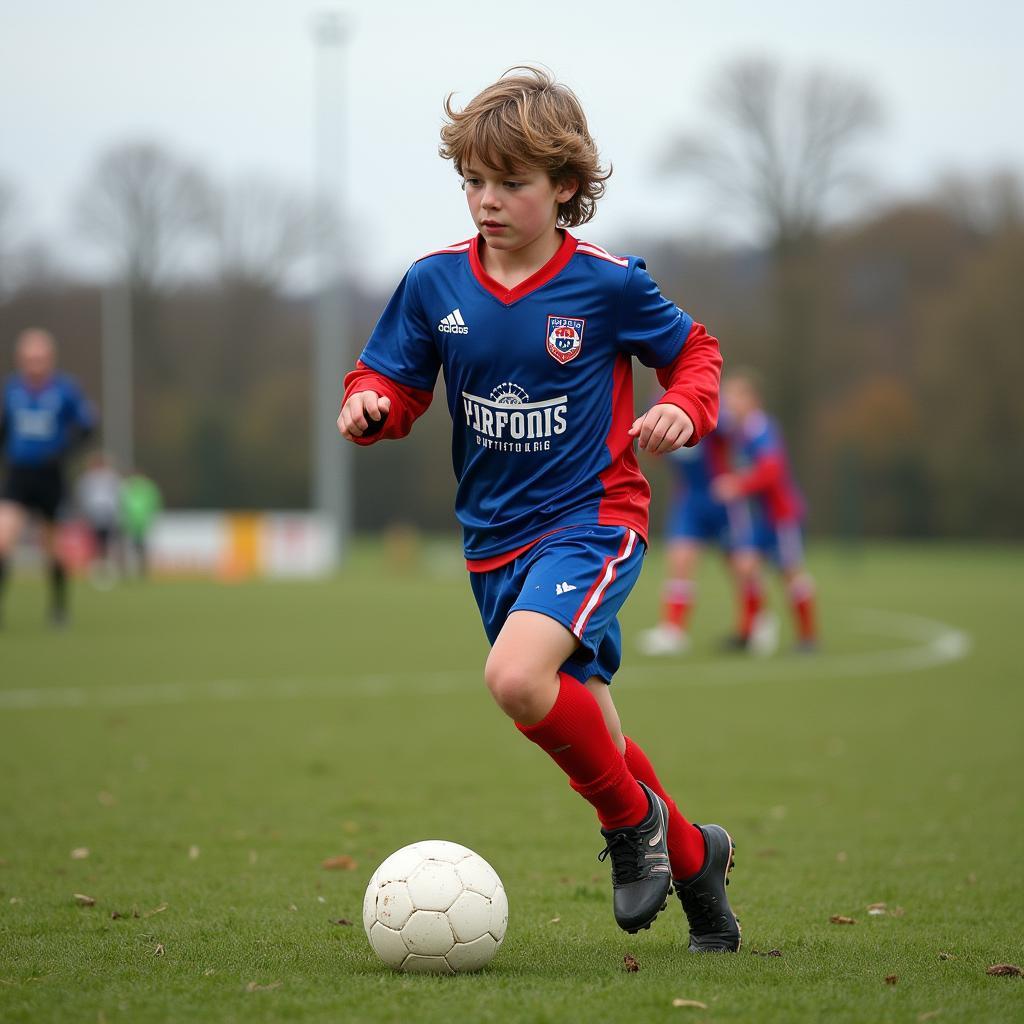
(520, 689)
(509, 684)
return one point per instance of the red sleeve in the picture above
(407, 404)
(691, 381)
(764, 474)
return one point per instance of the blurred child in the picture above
(536, 332)
(141, 503)
(697, 520)
(765, 477)
(98, 496)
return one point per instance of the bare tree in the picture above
(148, 209)
(985, 205)
(782, 147)
(13, 252)
(262, 229)
(145, 206)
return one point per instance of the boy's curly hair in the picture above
(528, 120)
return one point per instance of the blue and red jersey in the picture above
(41, 424)
(539, 386)
(763, 470)
(695, 467)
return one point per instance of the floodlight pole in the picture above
(332, 464)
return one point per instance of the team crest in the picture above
(565, 337)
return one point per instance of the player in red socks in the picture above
(536, 331)
(765, 477)
(696, 520)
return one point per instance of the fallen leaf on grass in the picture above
(891, 979)
(255, 987)
(159, 951)
(343, 862)
(694, 1003)
(876, 909)
(291, 906)
(946, 956)
(80, 853)
(155, 910)
(897, 912)
(209, 971)
(841, 919)
(342, 921)
(84, 901)
(554, 920)
(1004, 971)
(14, 899)
(630, 964)
(928, 1015)
(193, 852)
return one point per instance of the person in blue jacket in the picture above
(43, 418)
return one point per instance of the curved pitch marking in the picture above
(932, 643)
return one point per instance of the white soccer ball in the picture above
(435, 907)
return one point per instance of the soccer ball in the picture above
(435, 907)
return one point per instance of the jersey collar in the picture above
(555, 265)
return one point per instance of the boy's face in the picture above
(512, 210)
(739, 398)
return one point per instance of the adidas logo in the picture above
(453, 323)
(563, 588)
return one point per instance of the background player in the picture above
(141, 503)
(98, 498)
(696, 519)
(43, 418)
(763, 474)
(536, 333)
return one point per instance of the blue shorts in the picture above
(698, 517)
(580, 577)
(783, 543)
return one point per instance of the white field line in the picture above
(927, 643)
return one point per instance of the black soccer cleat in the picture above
(713, 925)
(641, 875)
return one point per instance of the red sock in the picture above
(685, 841)
(751, 602)
(801, 595)
(575, 737)
(676, 602)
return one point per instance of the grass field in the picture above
(212, 745)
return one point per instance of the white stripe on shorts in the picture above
(595, 597)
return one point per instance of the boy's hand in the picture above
(364, 413)
(663, 428)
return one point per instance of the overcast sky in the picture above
(229, 83)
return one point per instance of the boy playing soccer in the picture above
(535, 332)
